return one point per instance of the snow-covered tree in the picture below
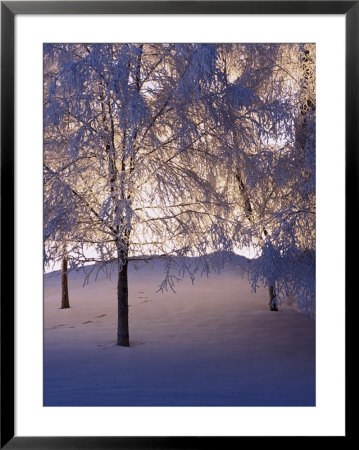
(264, 102)
(132, 124)
(180, 150)
(276, 172)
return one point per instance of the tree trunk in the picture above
(65, 303)
(249, 214)
(122, 301)
(273, 306)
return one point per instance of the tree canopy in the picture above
(181, 150)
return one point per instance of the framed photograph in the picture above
(175, 182)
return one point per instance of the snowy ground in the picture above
(213, 343)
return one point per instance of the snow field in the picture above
(213, 343)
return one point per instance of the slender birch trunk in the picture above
(273, 305)
(122, 300)
(65, 303)
(123, 338)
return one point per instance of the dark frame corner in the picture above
(9, 9)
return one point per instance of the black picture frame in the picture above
(9, 9)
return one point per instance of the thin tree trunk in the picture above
(122, 249)
(122, 301)
(65, 303)
(306, 106)
(273, 306)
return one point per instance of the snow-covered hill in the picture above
(213, 343)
